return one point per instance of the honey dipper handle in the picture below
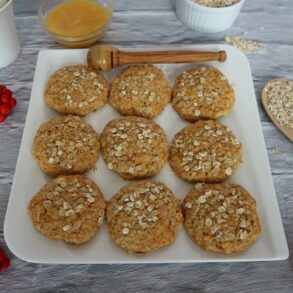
(151, 57)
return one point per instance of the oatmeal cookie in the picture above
(221, 217)
(206, 151)
(66, 145)
(69, 208)
(202, 93)
(140, 91)
(143, 217)
(76, 90)
(134, 147)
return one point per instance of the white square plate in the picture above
(253, 174)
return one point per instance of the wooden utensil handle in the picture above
(123, 57)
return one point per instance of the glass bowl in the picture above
(76, 41)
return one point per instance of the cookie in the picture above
(66, 145)
(134, 147)
(140, 91)
(143, 217)
(221, 217)
(206, 151)
(69, 208)
(202, 93)
(76, 90)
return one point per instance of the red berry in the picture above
(5, 109)
(7, 92)
(4, 263)
(2, 117)
(2, 88)
(2, 254)
(12, 102)
(5, 99)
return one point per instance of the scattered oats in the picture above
(150, 208)
(100, 220)
(90, 199)
(119, 208)
(138, 204)
(153, 197)
(197, 113)
(247, 46)
(242, 236)
(125, 231)
(208, 222)
(155, 218)
(229, 171)
(188, 205)
(240, 211)
(110, 166)
(78, 208)
(63, 184)
(51, 161)
(275, 150)
(66, 228)
(130, 204)
(221, 209)
(201, 199)
(69, 212)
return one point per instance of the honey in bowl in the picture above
(74, 20)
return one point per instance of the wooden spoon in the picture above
(105, 58)
(265, 101)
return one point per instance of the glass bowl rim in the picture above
(75, 38)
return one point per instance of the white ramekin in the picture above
(9, 43)
(207, 19)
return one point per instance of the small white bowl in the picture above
(207, 19)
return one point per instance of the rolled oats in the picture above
(226, 221)
(202, 93)
(152, 221)
(134, 147)
(73, 219)
(141, 91)
(61, 148)
(205, 151)
(76, 90)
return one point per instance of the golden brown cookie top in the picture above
(76, 90)
(140, 91)
(66, 145)
(134, 147)
(202, 93)
(144, 216)
(221, 217)
(205, 151)
(69, 208)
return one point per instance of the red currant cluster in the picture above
(7, 102)
(4, 261)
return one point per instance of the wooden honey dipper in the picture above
(105, 58)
